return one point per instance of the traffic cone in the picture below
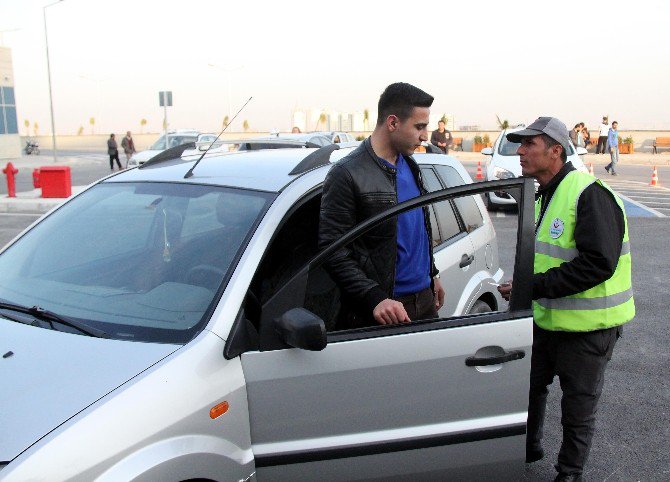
(480, 174)
(591, 169)
(654, 178)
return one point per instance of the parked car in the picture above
(174, 138)
(338, 137)
(279, 141)
(166, 327)
(503, 163)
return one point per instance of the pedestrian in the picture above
(296, 130)
(602, 138)
(441, 137)
(581, 286)
(389, 276)
(113, 151)
(574, 134)
(585, 134)
(613, 148)
(128, 146)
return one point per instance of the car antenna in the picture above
(190, 171)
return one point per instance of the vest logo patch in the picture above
(556, 228)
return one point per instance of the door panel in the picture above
(397, 401)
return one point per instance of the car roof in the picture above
(264, 170)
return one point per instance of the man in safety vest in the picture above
(581, 290)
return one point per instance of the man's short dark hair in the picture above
(399, 99)
(549, 142)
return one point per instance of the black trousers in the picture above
(579, 360)
(602, 145)
(112, 157)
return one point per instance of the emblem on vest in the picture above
(556, 228)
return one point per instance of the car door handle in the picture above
(472, 361)
(466, 260)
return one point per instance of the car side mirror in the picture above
(301, 328)
(487, 151)
(581, 151)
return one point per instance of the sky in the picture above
(515, 59)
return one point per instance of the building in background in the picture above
(10, 142)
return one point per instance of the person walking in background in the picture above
(574, 134)
(441, 137)
(113, 151)
(582, 290)
(613, 148)
(585, 135)
(128, 146)
(602, 138)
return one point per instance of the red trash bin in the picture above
(55, 181)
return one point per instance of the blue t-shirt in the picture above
(413, 256)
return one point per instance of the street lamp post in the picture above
(228, 71)
(51, 103)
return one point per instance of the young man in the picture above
(613, 147)
(581, 287)
(441, 137)
(388, 276)
(602, 137)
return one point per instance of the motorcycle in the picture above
(32, 147)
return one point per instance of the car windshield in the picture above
(140, 261)
(173, 141)
(507, 148)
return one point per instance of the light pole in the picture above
(228, 70)
(51, 102)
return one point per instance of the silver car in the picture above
(176, 322)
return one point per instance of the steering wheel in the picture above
(205, 275)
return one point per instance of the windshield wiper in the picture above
(49, 316)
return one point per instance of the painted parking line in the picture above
(640, 199)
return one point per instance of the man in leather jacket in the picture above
(387, 276)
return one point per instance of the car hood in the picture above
(46, 377)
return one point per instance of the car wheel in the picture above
(489, 205)
(479, 306)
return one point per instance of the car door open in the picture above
(432, 397)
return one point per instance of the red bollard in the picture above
(11, 171)
(36, 178)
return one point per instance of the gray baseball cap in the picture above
(550, 126)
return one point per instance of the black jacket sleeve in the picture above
(337, 217)
(599, 237)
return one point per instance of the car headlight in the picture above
(501, 173)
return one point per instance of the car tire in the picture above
(489, 205)
(479, 306)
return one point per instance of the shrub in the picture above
(479, 140)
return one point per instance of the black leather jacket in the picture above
(358, 187)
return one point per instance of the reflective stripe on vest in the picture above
(608, 304)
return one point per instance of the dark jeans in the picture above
(602, 145)
(419, 306)
(112, 157)
(579, 360)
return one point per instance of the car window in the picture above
(141, 261)
(444, 223)
(467, 206)
(159, 145)
(314, 289)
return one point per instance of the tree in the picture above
(27, 124)
(92, 122)
(502, 124)
(226, 121)
(245, 125)
(444, 119)
(143, 122)
(36, 128)
(366, 120)
(80, 131)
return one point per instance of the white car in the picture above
(174, 139)
(176, 322)
(339, 137)
(503, 163)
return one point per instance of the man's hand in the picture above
(505, 290)
(390, 312)
(439, 293)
